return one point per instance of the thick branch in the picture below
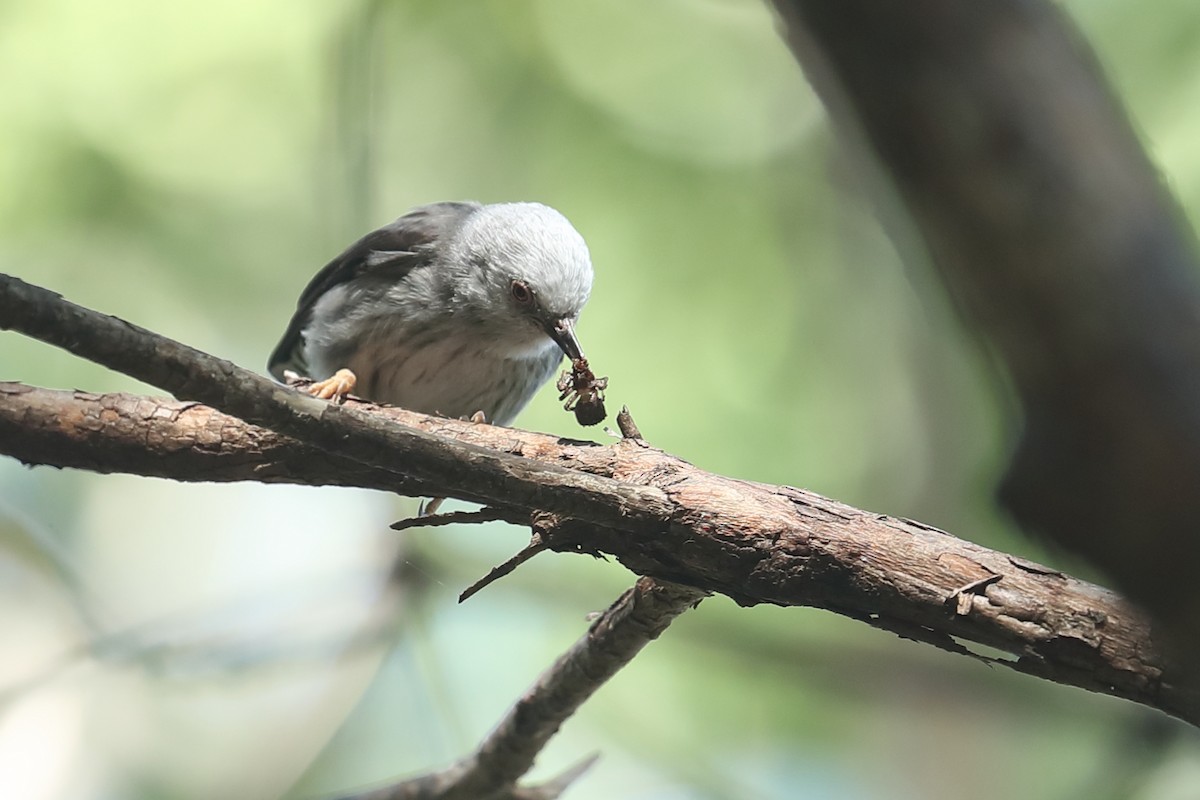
(1060, 244)
(752, 542)
(495, 477)
(508, 752)
(168, 439)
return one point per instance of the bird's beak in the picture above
(562, 331)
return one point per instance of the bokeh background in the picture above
(188, 167)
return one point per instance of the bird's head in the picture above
(526, 275)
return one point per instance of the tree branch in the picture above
(496, 477)
(752, 542)
(1057, 241)
(508, 752)
(1060, 245)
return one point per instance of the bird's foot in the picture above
(478, 418)
(334, 388)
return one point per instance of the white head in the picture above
(522, 270)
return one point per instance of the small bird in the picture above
(457, 308)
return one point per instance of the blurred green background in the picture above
(189, 167)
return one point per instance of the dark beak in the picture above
(562, 331)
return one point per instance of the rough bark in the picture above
(752, 542)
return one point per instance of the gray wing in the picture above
(392, 250)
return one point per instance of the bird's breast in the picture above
(451, 372)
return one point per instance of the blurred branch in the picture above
(614, 638)
(1060, 245)
(752, 542)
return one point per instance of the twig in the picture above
(508, 752)
(485, 514)
(629, 428)
(556, 786)
(535, 546)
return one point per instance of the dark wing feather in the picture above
(397, 247)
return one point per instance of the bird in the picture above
(458, 309)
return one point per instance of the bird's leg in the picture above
(334, 388)
(429, 507)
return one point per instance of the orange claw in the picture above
(334, 388)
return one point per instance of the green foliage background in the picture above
(189, 167)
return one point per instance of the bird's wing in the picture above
(396, 248)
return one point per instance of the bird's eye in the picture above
(522, 293)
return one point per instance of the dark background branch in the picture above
(1060, 245)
